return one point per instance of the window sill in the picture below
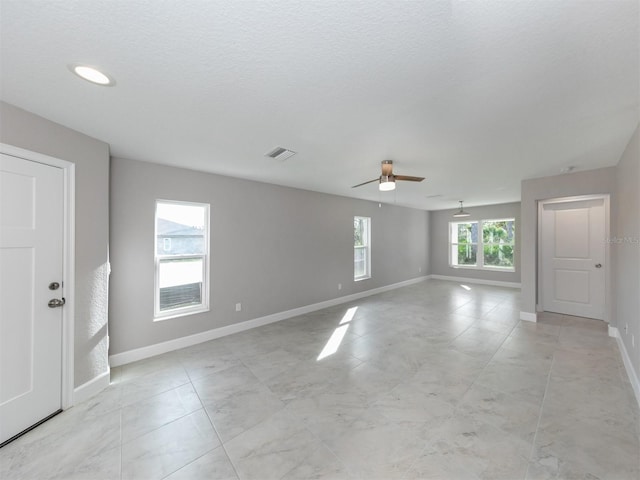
(181, 313)
(486, 269)
(359, 279)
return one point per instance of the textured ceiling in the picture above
(473, 95)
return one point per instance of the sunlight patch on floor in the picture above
(338, 334)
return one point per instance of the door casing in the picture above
(68, 261)
(607, 253)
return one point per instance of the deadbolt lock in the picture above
(54, 286)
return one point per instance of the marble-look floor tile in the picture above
(539, 361)
(207, 358)
(524, 383)
(328, 413)
(322, 464)
(479, 448)
(408, 402)
(452, 323)
(147, 415)
(242, 410)
(168, 448)
(306, 380)
(102, 466)
(516, 417)
(271, 448)
(575, 448)
(476, 310)
(371, 379)
(569, 363)
(589, 398)
(528, 336)
(433, 380)
(579, 338)
(375, 447)
(214, 465)
(550, 318)
(478, 342)
(142, 387)
(109, 400)
(167, 363)
(45, 456)
(448, 386)
(224, 383)
(599, 326)
(433, 465)
(270, 364)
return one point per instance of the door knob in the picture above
(56, 302)
(598, 265)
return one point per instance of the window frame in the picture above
(203, 306)
(367, 248)
(480, 244)
(453, 244)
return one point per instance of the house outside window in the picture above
(483, 244)
(361, 248)
(181, 259)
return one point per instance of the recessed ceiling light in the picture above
(92, 75)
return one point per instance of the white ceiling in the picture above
(473, 95)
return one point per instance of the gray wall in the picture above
(439, 241)
(272, 248)
(91, 157)
(625, 249)
(600, 181)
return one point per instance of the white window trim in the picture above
(367, 274)
(480, 244)
(180, 312)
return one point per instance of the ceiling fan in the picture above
(388, 179)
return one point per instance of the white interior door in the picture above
(573, 257)
(31, 258)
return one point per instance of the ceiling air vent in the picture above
(280, 153)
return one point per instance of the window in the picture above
(181, 258)
(495, 244)
(498, 240)
(361, 248)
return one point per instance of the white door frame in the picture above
(607, 253)
(68, 261)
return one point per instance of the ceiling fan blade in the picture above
(370, 181)
(408, 178)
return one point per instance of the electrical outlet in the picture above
(339, 286)
(626, 328)
(238, 307)
(419, 269)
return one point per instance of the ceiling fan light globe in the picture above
(387, 184)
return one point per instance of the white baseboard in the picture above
(528, 316)
(628, 366)
(182, 342)
(92, 387)
(494, 283)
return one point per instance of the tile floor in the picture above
(428, 381)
